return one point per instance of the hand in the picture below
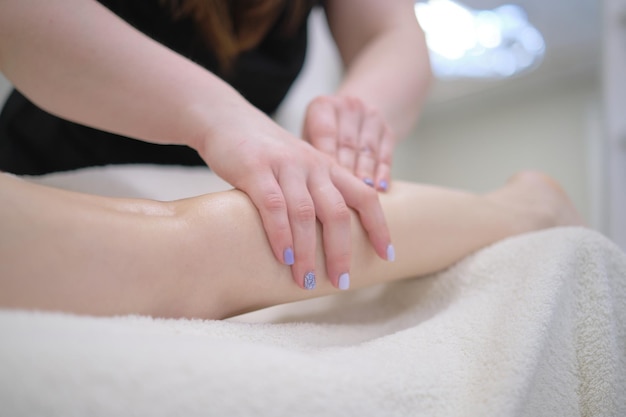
(291, 184)
(353, 134)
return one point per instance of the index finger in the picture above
(364, 200)
(267, 195)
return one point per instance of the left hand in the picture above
(354, 134)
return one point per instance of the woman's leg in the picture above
(208, 256)
(431, 228)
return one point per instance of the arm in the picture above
(78, 60)
(384, 51)
(386, 82)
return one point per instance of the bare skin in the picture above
(92, 67)
(208, 256)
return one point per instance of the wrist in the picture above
(205, 122)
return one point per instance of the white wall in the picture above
(480, 142)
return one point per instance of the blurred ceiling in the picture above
(572, 31)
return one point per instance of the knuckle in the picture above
(340, 212)
(304, 212)
(274, 202)
(354, 103)
(369, 143)
(322, 99)
(385, 158)
(319, 103)
(347, 141)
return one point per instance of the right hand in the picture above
(291, 184)
(354, 134)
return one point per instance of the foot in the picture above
(538, 198)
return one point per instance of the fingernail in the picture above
(391, 253)
(368, 181)
(288, 256)
(383, 185)
(344, 281)
(309, 281)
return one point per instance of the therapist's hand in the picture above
(353, 134)
(291, 184)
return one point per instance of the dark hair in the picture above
(231, 27)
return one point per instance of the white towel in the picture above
(531, 326)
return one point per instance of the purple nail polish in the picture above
(383, 185)
(288, 256)
(391, 253)
(309, 281)
(344, 281)
(368, 181)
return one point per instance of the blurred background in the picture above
(562, 110)
(564, 114)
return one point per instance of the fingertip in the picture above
(344, 281)
(383, 176)
(309, 281)
(288, 257)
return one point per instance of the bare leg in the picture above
(208, 256)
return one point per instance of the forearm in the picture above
(78, 60)
(392, 74)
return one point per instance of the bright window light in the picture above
(467, 43)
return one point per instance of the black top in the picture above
(34, 142)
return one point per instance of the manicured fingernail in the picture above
(309, 281)
(288, 256)
(383, 185)
(391, 253)
(344, 281)
(369, 181)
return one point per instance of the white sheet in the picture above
(531, 326)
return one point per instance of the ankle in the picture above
(536, 201)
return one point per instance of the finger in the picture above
(334, 215)
(302, 221)
(268, 198)
(320, 126)
(385, 156)
(370, 139)
(349, 121)
(365, 201)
